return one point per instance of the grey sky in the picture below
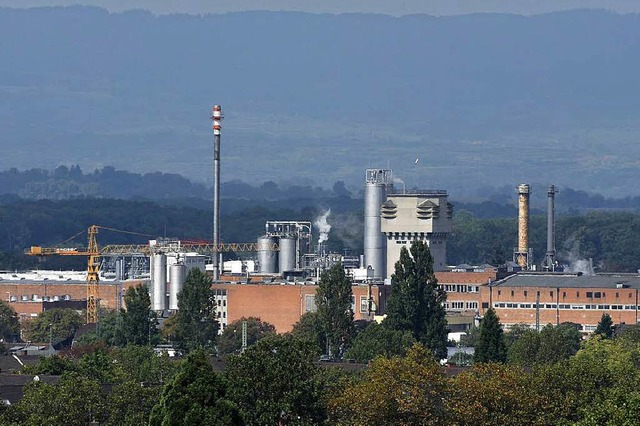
(392, 7)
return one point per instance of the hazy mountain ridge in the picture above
(480, 99)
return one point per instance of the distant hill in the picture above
(479, 99)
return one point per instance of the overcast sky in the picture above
(392, 7)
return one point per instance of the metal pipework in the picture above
(549, 261)
(523, 225)
(216, 116)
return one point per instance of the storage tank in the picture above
(177, 276)
(159, 281)
(267, 256)
(287, 247)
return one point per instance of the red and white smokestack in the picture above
(216, 116)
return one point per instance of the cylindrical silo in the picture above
(287, 254)
(375, 243)
(177, 276)
(159, 282)
(267, 256)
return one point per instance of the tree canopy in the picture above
(377, 340)
(195, 396)
(196, 325)
(276, 380)
(490, 346)
(55, 324)
(138, 320)
(417, 302)
(230, 341)
(333, 298)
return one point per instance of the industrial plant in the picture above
(277, 275)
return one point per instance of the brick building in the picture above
(282, 304)
(32, 293)
(562, 298)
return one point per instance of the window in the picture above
(457, 305)
(472, 305)
(364, 305)
(564, 294)
(550, 294)
(499, 292)
(589, 294)
(485, 305)
(617, 294)
(525, 293)
(511, 293)
(597, 295)
(577, 294)
(538, 293)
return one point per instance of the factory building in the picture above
(417, 216)
(282, 304)
(548, 298)
(31, 293)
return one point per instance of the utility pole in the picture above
(244, 336)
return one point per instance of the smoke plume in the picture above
(323, 226)
(576, 263)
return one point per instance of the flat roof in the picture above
(555, 280)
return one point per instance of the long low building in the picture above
(524, 297)
(558, 298)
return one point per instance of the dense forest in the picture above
(610, 238)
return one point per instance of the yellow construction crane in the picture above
(93, 253)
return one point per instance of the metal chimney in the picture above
(550, 256)
(522, 252)
(216, 117)
(377, 181)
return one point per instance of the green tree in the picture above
(333, 299)
(490, 346)
(130, 403)
(138, 321)
(195, 323)
(57, 324)
(377, 340)
(75, 400)
(417, 302)
(558, 342)
(9, 323)
(524, 351)
(309, 328)
(471, 337)
(276, 380)
(395, 391)
(230, 341)
(141, 364)
(605, 327)
(195, 396)
(497, 395)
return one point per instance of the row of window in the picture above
(564, 306)
(460, 305)
(588, 294)
(460, 288)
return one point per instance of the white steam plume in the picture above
(576, 263)
(323, 226)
